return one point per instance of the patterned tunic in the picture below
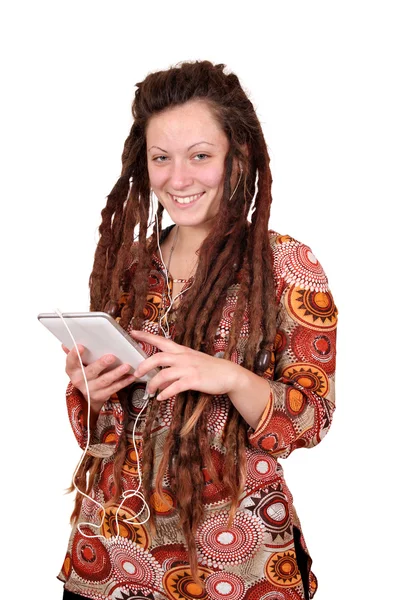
(263, 554)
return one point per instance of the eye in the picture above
(159, 158)
(201, 156)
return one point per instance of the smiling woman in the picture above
(188, 179)
(195, 504)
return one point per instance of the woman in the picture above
(242, 325)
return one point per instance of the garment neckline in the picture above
(158, 261)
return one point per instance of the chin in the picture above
(188, 222)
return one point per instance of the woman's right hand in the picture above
(101, 385)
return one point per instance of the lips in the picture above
(186, 200)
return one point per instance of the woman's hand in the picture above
(101, 385)
(187, 369)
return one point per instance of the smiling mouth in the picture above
(186, 199)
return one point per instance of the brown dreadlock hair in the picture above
(233, 244)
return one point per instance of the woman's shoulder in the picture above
(296, 264)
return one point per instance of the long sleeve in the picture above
(302, 400)
(106, 435)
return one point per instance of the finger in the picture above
(73, 349)
(99, 386)
(182, 385)
(72, 358)
(158, 341)
(164, 378)
(160, 359)
(94, 369)
(104, 381)
(116, 386)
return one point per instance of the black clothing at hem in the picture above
(70, 596)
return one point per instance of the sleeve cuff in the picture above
(104, 439)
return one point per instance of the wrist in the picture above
(240, 380)
(250, 394)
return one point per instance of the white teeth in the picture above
(188, 199)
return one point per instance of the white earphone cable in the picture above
(127, 493)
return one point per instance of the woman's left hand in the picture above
(187, 369)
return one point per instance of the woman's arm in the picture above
(251, 395)
(300, 404)
(292, 404)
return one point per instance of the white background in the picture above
(322, 76)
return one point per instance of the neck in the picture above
(189, 239)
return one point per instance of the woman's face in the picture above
(186, 151)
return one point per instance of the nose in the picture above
(180, 176)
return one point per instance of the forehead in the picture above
(188, 123)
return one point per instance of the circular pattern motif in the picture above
(131, 461)
(309, 347)
(220, 586)
(170, 555)
(282, 433)
(106, 481)
(89, 557)
(91, 507)
(267, 591)
(223, 329)
(228, 312)
(315, 310)
(133, 566)
(217, 412)
(220, 546)
(150, 327)
(124, 528)
(164, 416)
(260, 467)
(282, 570)
(308, 376)
(152, 306)
(273, 509)
(219, 347)
(295, 401)
(296, 264)
(281, 341)
(179, 585)
(77, 417)
(67, 566)
(137, 402)
(108, 435)
(313, 583)
(165, 505)
(156, 278)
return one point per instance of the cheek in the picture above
(214, 177)
(157, 177)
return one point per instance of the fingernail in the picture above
(109, 359)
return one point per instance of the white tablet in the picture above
(99, 334)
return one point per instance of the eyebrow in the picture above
(190, 147)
